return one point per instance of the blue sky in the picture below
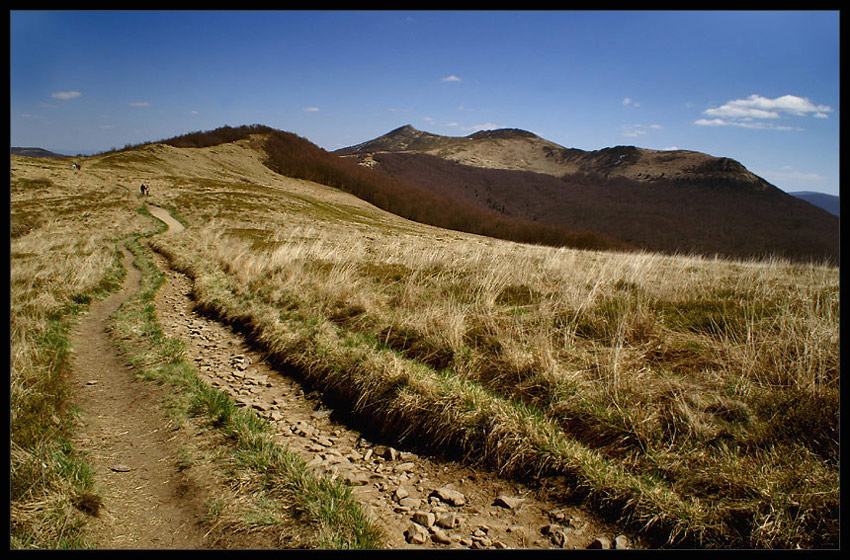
(759, 87)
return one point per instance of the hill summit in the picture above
(658, 200)
(517, 149)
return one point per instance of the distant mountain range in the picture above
(670, 201)
(511, 183)
(35, 152)
(828, 202)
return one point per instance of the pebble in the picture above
(447, 520)
(390, 479)
(416, 534)
(410, 503)
(440, 536)
(452, 497)
(508, 502)
(424, 518)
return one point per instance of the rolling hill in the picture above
(670, 201)
(693, 400)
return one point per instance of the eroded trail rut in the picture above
(420, 501)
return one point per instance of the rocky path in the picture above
(420, 501)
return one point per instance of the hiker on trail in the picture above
(76, 166)
(143, 189)
(147, 189)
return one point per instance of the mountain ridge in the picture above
(34, 152)
(512, 148)
(668, 201)
(828, 202)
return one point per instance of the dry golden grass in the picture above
(694, 395)
(62, 256)
(695, 399)
(65, 226)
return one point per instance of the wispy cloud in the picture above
(743, 123)
(311, 109)
(484, 126)
(757, 112)
(450, 78)
(639, 129)
(66, 94)
(139, 104)
(791, 173)
(628, 101)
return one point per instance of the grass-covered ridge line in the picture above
(293, 156)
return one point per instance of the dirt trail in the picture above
(147, 501)
(419, 501)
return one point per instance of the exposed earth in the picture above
(153, 500)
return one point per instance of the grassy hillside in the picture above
(64, 227)
(62, 257)
(693, 399)
(293, 156)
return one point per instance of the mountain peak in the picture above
(402, 138)
(503, 133)
(405, 130)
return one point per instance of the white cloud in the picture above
(639, 129)
(311, 109)
(743, 123)
(791, 173)
(66, 94)
(629, 101)
(754, 110)
(451, 78)
(485, 126)
(139, 104)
